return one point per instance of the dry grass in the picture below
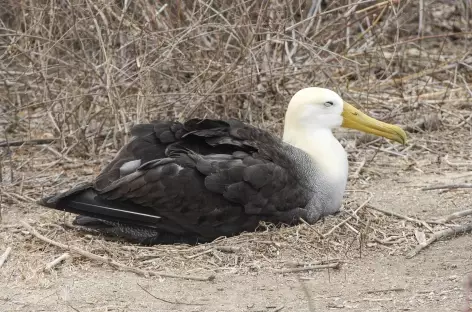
(82, 72)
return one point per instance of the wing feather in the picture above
(207, 177)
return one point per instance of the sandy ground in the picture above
(434, 280)
(431, 282)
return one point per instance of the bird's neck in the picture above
(328, 155)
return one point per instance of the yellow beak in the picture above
(355, 119)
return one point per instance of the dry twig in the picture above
(447, 187)
(57, 261)
(455, 215)
(441, 234)
(395, 214)
(310, 268)
(109, 261)
(27, 142)
(4, 256)
(168, 301)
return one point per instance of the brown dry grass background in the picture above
(80, 73)
(84, 71)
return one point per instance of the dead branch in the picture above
(395, 214)
(460, 229)
(447, 187)
(27, 142)
(455, 215)
(4, 256)
(310, 268)
(110, 261)
(165, 300)
(57, 261)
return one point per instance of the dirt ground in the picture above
(378, 279)
(434, 281)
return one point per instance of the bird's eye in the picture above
(328, 104)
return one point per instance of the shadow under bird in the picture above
(202, 179)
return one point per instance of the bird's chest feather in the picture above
(327, 155)
(331, 176)
(330, 160)
(326, 167)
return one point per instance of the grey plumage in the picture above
(197, 181)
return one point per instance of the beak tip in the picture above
(403, 136)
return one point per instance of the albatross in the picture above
(202, 179)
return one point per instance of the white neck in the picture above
(327, 153)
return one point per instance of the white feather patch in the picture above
(129, 167)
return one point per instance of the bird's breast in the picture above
(326, 167)
(328, 157)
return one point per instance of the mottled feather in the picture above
(202, 178)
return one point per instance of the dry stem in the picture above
(460, 229)
(4, 256)
(107, 260)
(57, 261)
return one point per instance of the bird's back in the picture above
(200, 179)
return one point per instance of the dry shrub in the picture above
(84, 71)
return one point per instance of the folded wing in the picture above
(203, 178)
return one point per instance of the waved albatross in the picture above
(202, 179)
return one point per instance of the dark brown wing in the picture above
(206, 177)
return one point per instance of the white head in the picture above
(313, 109)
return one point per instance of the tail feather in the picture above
(84, 200)
(120, 219)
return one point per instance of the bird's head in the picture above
(319, 108)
